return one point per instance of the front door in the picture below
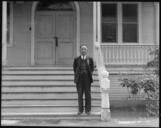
(54, 38)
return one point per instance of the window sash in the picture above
(120, 23)
(106, 21)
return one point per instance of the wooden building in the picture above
(41, 39)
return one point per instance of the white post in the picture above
(105, 104)
(119, 20)
(140, 22)
(103, 77)
(98, 22)
(157, 21)
(33, 32)
(94, 28)
(4, 33)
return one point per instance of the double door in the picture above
(54, 38)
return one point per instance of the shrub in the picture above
(147, 85)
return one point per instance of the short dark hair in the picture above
(83, 45)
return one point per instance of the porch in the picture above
(114, 53)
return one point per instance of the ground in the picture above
(139, 122)
(119, 118)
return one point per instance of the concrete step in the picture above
(57, 96)
(11, 96)
(40, 77)
(47, 102)
(40, 72)
(37, 68)
(42, 83)
(28, 72)
(59, 116)
(54, 88)
(44, 89)
(110, 68)
(45, 95)
(46, 109)
(29, 91)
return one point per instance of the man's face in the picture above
(83, 51)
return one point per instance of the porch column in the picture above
(4, 33)
(98, 21)
(102, 73)
(94, 29)
(157, 21)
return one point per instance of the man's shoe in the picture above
(88, 113)
(79, 113)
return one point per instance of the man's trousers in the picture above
(84, 86)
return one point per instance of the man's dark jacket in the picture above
(76, 68)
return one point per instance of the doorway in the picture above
(54, 34)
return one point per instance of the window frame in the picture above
(10, 43)
(120, 25)
(70, 4)
(110, 23)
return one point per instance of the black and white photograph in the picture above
(80, 63)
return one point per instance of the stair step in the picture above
(28, 72)
(46, 96)
(45, 109)
(55, 102)
(44, 89)
(29, 91)
(41, 77)
(54, 88)
(30, 96)
(59, 116)
(37, 72)
(36, 67)
(42, 83)
(112, 95)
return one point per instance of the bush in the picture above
(147, 85)
(155, 62)
(132, 85)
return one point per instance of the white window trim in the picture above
(10, 44)
(119, 28)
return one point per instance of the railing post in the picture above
(4, 33)
(157, 17)
(104, 84)
(104, 89)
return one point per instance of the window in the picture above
(9, 23)
(109, 23)
(119, 21)
(129, 22)
(54, 6)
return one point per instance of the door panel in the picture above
(65, 34)
(44, 25)
(64, 52)
(48, 26)
(44, 41)
(64, 25)
(45, 52)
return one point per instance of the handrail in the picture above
(127, 54)
(104, 83)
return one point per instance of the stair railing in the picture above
(104, 82)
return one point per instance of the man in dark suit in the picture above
(83, 67)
